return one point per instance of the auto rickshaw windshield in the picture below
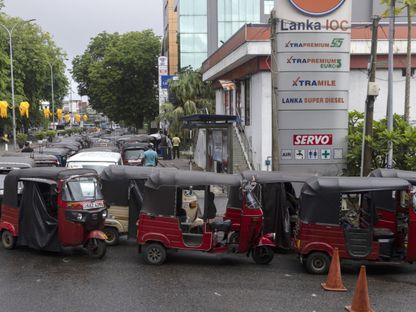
(81, 189)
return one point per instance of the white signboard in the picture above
(313, 80)
(310, 81)
(314, 42)
(302, 100)
(314, 62)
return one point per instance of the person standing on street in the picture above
(150, 157)
(169, 142)
(176, 142)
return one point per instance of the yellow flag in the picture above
(24, 109)
(59, 113)
(85, 117)
(77, 118)
(46, 113)
(67, 118)
(3, 109)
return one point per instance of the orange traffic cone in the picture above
(360, 301)
(334, 280)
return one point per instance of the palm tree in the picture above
(408, 6)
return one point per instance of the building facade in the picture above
(169, 43)
(195, 29)
(203, 25)
(245, 60)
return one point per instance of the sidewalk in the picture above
(181, 164)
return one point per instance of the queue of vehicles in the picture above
(100, 196)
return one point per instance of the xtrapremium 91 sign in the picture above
(313, 45)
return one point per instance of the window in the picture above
(233, 14)
(268, 6)
(247, 102)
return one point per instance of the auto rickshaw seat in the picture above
(382, 233)
(218, 225)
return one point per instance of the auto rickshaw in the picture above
(132, 153)
(8, 164)
(346, 212)
(123, 188)
(163, 223)
(51, 208)
(279, 202)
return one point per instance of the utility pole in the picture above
(275, 91)
(371, 98)
(409, 65)
(390, 83)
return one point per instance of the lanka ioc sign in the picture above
(317, 7)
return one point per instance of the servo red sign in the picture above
(312, 139)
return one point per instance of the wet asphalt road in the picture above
(39, 281)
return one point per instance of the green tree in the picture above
(192, 95)
(32, 50)
(409, 8)
(119, 75)
(403, 137)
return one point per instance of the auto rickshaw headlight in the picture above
(79, 216)
(105, 213)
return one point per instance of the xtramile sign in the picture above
(313, 45)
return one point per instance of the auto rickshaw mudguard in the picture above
(96, 234)
(115, 224)
(154, 237)
(8, 227)
(316, 246)
(267, 240)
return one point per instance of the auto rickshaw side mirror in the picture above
(413, 194)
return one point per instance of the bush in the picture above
(21, 138)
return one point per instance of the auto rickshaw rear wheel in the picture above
(112, 236)
(317, 263)
(154, 253)
(262, 254)
(8, 240)
(96, 248)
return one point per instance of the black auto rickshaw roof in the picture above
(264, 177)
(10, 162)
(134, 145)
(115, 181)
(394, 173)
(49, 173)
(191, 178)
(320, 196)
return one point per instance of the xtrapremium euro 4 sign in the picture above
(317, 7)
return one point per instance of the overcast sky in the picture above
(72, 23)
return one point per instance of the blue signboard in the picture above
(164, 81)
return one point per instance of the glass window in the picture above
(193, 7)
(193, 43)
(193, 24)
(268, 6)
(79, 189)
(233, 14)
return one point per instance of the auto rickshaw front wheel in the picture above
(8, 240)
(154, 253)
(96, 248)
(112, 236)
(262, 254)
(317, 263)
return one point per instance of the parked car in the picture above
(94, 160)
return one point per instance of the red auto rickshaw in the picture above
(163, 223)
(51, 208)
(371, 219)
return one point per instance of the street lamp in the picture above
(52, 99)
(10, 32)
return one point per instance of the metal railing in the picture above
(244, 142)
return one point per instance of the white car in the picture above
(97, 160)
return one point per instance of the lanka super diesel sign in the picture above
(312, 139)
(317, 7)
